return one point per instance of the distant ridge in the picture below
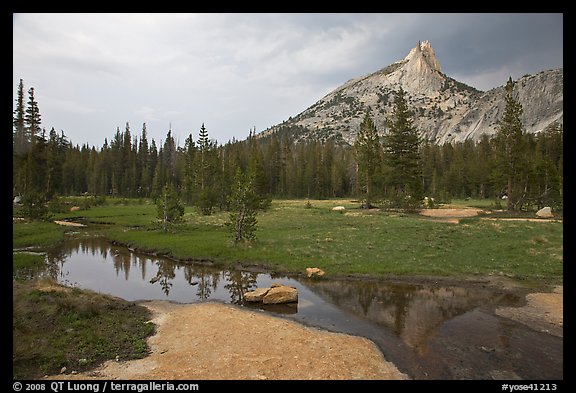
(445, 110)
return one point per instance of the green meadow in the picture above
(293, 235)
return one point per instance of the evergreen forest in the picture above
(47, 164)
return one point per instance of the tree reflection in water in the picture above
(165, 275)
(238, 283)
(205, 278)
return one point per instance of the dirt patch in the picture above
(450, 215)
(69, 223)
(543, 312)
(520, 219)
(453, 215)
(451, 212)
(222, 341)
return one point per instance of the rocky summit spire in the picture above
(423, 52)
(420, 72)
(429, 55)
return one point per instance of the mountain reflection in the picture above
(412, 312)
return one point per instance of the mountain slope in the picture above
(445, 110)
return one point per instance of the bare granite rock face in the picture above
(445, 110)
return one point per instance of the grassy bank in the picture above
(292, 236)
(22, 260)
(36, 234)
(55, 327)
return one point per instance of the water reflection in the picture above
(86, 262)
(412, 312)
(428, 331)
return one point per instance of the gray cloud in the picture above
(95, 72)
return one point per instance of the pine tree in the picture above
(207, 176)
(203, 150)
(169, 207)
(117, 163)
(104, 185)
(169, 156)
(32, 118)
(402, 155)
(35, 197)
(20, 140)
(369, 160)
(35, 164)
(54, 161)
(20, 144)
(128, 175)
(189, 174)
(511, 145)
(144, 164)
(244, 204)
(153, 162)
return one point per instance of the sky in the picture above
(94, 73)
